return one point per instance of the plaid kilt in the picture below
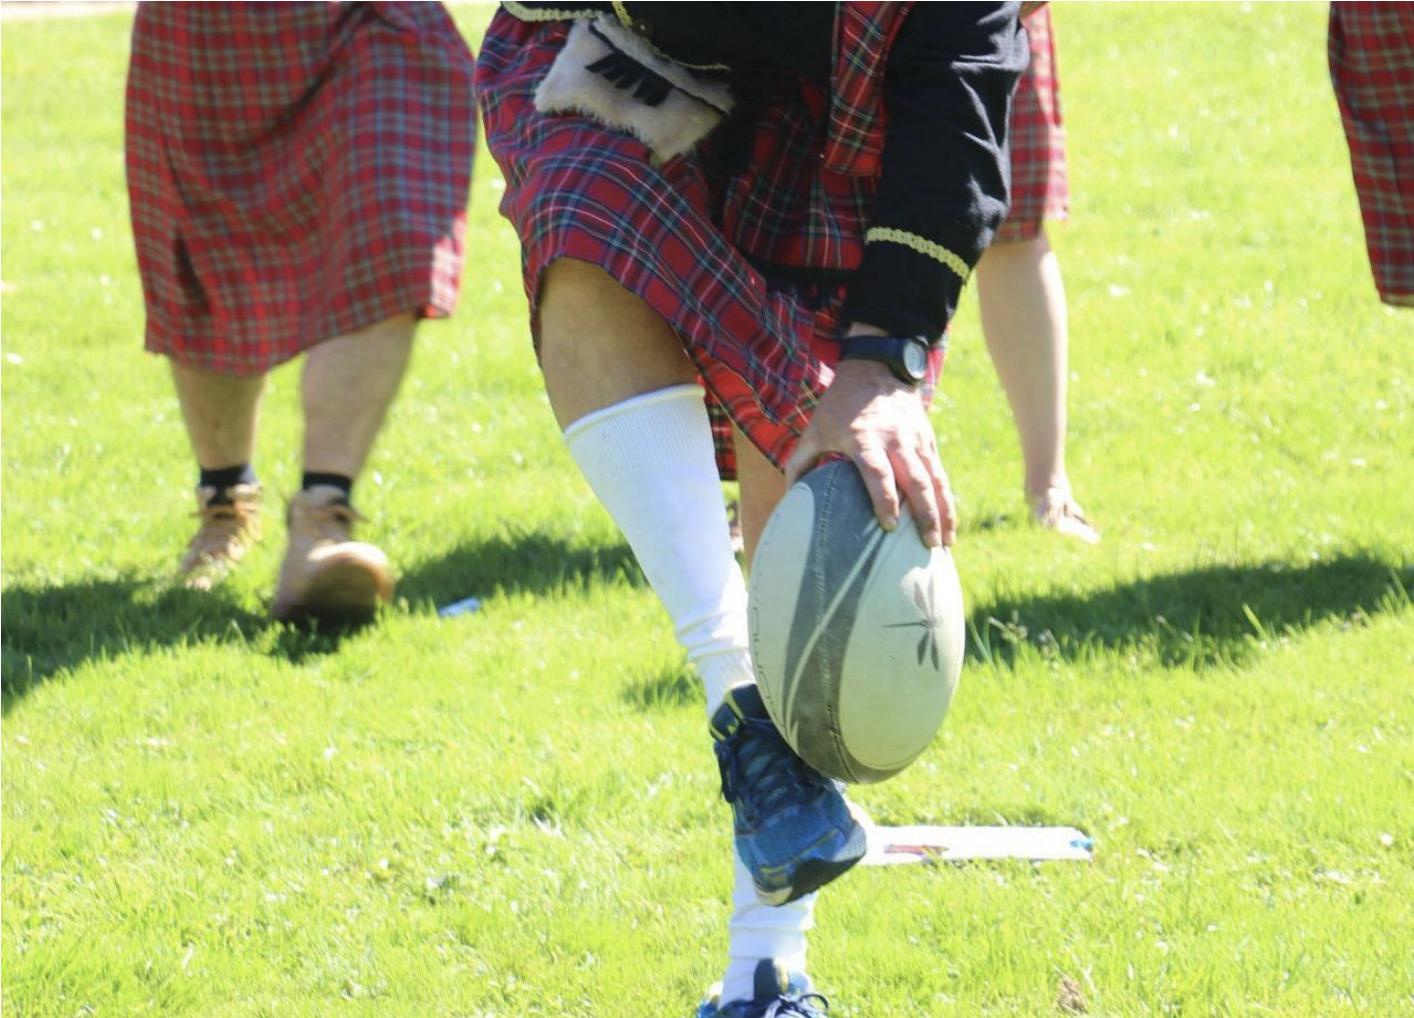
(715, 256)
(296, 172)
(1371, 52)
(1039, 187)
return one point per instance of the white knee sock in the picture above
(762, 931)
(650, 461)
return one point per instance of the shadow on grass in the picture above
(48, 629)
(678, 687)
(1220, 615)
(51, 629)
(527, 563)
(1201, 618)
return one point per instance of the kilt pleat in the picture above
(296, 171)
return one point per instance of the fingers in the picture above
(917, 485)
(884, 429)
(947, 505)
(877, 470)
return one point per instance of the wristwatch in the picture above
(905, 356)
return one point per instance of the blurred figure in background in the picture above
(298, 177)
(1022, 297)
(1371, 52)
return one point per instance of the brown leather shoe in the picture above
(328, 576)
(229, 526)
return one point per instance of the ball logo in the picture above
(930, 620)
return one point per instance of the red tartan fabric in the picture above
(1371, 52)
(685, 241)
(296, 171)
(864, 34)
(1040, 188)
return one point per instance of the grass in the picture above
(514, 813)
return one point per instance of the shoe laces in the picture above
(330, 522)
(222, 522)
(790, 1005)
(761, 773)
(802, 1006)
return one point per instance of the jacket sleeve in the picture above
(945, 171)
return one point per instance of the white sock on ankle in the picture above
(762, 931)
(651, 463)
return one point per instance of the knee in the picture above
(1002, 260)
(397, 329)
(579, 292)
(571, 280)
(568, 288)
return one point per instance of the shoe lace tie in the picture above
(802, 1006)
(760, 772)
(333, 522)
(222, 521)
(224, 512)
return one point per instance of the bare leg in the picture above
(221, 413)
(600, 344)
(348, 385)
(1024, 319)
(762, 488)
(1023, 306)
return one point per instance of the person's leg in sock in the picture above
(221, 413)
(347, 387)
(624, 392)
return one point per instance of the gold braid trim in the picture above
(523, 13)
(922, 245)
(626, 19)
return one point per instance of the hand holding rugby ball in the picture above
(857, 633)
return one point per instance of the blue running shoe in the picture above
(777, 994)
(795, 832)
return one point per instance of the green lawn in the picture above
(515, 814)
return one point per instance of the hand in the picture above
(880, 423)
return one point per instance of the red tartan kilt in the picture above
(764, 347)
(1039, 186)
(1371, 53)
(295, 171)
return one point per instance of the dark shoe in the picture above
(777, 994)
(795, 832)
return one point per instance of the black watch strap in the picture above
(905, 356)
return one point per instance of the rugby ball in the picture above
(857, 633)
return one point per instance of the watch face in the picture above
(915, 359)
